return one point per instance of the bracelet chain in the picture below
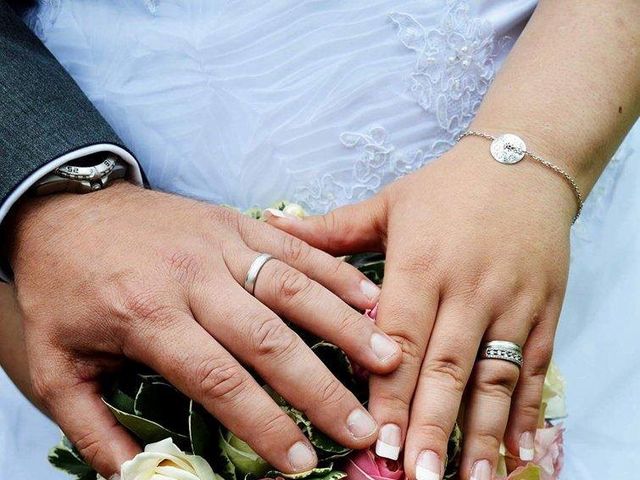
(570, 180)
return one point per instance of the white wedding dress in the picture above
(323, 102)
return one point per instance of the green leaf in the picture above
(146, 430)
(163, 404)
(65, 457)
(243, 459)
(371, 264)
(122, 401)
(318, 473)
(280, 205)
(454, 449)
(255, 213)
(530, 472)
(329, 450)
(200, 432)
(340, 366)
(326, 448)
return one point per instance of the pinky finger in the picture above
(525, 412)
(91, 427)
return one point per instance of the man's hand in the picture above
(131, 273)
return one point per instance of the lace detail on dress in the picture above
(453, 70)
(379, 163)
(454, 65)
(152, 6)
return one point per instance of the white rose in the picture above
(164, 461)
(294, 210)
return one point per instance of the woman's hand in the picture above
(131, 273)
(476, 251)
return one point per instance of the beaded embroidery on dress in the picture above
(455, 64)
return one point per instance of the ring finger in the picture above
(294, 296)
(341, 278)
(489, 400)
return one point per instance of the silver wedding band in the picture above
(502, 350)
(254, 270)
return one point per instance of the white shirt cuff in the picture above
(134, 174)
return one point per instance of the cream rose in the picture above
(164, 461)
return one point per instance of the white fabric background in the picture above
(245, 103)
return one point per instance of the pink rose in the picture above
(549, 456)
(365, 465)
(549, 451)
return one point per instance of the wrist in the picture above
(565, 147)
(45, 218)
(526, 187)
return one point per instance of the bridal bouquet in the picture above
(184, 442)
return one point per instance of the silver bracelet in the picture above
(510, 149)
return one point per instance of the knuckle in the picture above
(349, 324)
(132, 298)
(294, 249)
(433, 431)
(337, 268)
(226, 216)
(498, 381)
(273, 338)
(331, 392)
(420, 266)
(412, 352)
(447, 370)
(392, 400)
(331, 224)
(220, 380)
(489, 440)
(145, 306)
(89, 445)
(530, 410)
(292, 283)
(186, 267)
(273, 427)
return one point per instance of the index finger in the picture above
(406, 312)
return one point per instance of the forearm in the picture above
(571, 85)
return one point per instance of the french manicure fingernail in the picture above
(428, 466)
(383, 347)
(301, 457)
(369, 289)
(389, 439)
(481, 470)
(527, 447)
(360, 423)
(115, 476)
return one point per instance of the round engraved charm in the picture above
(508, 149)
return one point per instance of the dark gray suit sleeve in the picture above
(43, 113)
